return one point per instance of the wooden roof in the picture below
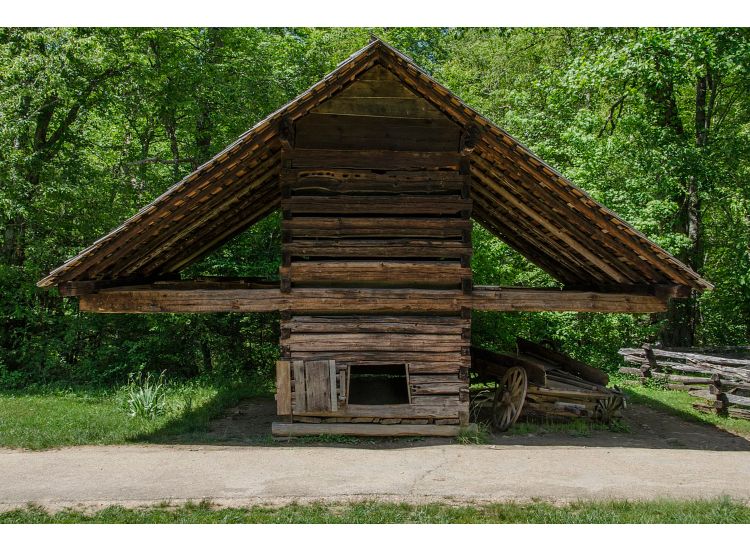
(516, 196)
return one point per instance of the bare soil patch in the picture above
(249, 423)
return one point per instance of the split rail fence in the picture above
(719, 376)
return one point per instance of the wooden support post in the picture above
(717, 390)
(652, 365)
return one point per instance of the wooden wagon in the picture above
(536, 381)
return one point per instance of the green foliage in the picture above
(721, 510)
(146, 398)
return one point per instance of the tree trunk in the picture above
(683, 315)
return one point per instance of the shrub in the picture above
(146, 398)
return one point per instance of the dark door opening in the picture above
(378, 385)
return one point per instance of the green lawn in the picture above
(678, 403)
(46, 418)
(53, 418)
(708, 511)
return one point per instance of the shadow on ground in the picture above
(644, 425)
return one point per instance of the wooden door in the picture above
(315, 386)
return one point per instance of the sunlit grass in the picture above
(679, 403)
(666, 511)
(54, 418)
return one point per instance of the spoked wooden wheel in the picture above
(509, 396)
(608, 408)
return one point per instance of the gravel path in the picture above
(240, 475)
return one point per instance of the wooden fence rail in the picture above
(722, 378)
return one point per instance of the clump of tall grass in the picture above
(146, 397)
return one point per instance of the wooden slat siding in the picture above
(235, 225)
(387, 411)
(370, 249)
(444, 388)
(300, 393)
(368, 88)
(429, 379)
(375, 159)
(404, 273)
(582, 228)
(536, 254)
(317, 386)
(319, 131)
(153, 224)
(376, 107)
(379, 356)
(283, 388)
(163, 247)
(333, 393)
(433, 343)
(550, 226)
(377, 324)
(541, 236)
(282, 429)
(405, 205)
(582, 204)
(147, 299)
(312, 182)
(342, 228)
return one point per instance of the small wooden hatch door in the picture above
(315, 386)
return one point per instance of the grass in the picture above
(50, 417)
(698, 511)
(679, 403)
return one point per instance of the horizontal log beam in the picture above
(281, 429)
(187, 297)
(528, 299)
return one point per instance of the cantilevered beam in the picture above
(191, 297)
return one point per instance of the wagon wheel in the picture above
(608, 408)
(509, 396)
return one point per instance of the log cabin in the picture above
(378, 172)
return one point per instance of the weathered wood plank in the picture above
(391, 411)
(386, 248)
(283, 388)
(317, 386)
(300, 393)
(375, 159)
(378, 356)
(338, 227)
(371, 88)
(517, 299)
(401, 107)
(358, 182)
(407, 205)
(564, 362)
(280, 429)
(402, 273)
(378, 324)
(148, 299)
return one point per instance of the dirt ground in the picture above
(250, 423)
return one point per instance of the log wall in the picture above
(373, 198)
